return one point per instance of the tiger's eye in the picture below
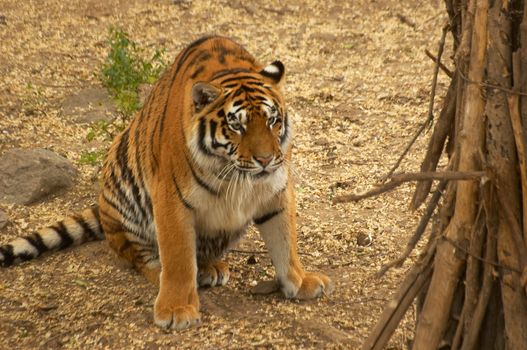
(236, 125)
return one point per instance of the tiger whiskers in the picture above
(222, 175)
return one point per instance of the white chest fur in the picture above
(236, 204)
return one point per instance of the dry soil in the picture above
(357, 86)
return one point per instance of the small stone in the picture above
(364, 240)
(325, 37)
(322, 141)
(4, 220)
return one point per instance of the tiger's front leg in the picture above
(278, 229)
(177, 304)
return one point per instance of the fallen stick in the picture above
(399, 179)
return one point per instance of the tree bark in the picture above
(503, 161)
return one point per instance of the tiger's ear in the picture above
(204, 94)
(275, 71)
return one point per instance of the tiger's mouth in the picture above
(258, 172)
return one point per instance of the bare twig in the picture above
(259, 252)
(399, 179)
(442, 129)
(459, 331)
(430, 117)
(492, 86)
(405, 20)
(480, 258)
(514, 112)
(441, 65)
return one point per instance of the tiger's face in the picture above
(242, 121)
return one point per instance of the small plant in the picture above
(98, 129)
(125, 69)
(35, 100)
(92, 157)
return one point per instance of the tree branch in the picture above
(398, 179)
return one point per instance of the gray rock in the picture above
(89, 105)
(28, 176)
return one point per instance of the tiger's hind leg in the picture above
(213, 274)
(139, 255)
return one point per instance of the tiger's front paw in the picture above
(175, 317)
(215, 274)
(314, 285)
(307, 285)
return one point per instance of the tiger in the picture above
(208, 155)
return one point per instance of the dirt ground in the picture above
(357, 86)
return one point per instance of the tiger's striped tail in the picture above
(73, 230)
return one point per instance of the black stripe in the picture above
(286, 130)
(239, 77)
(230, 86)
(118, 192)
(149, 116)
(65, 239)
(199, 180)
(126, 172)
(184, 55)
(36, 241)
(262, 219)
(215, 144)
(118, 209)
(24, 256)
(203, 56)
(201, 139)
(126, 245)
(238, 93)
(95, 211)
(87, 229)
(140, 177)
(180, 195)
(7, 252)
(161, 120)
(223, 73)
(197, 72)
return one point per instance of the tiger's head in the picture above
(242, 121)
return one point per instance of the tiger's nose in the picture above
(264, 160)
